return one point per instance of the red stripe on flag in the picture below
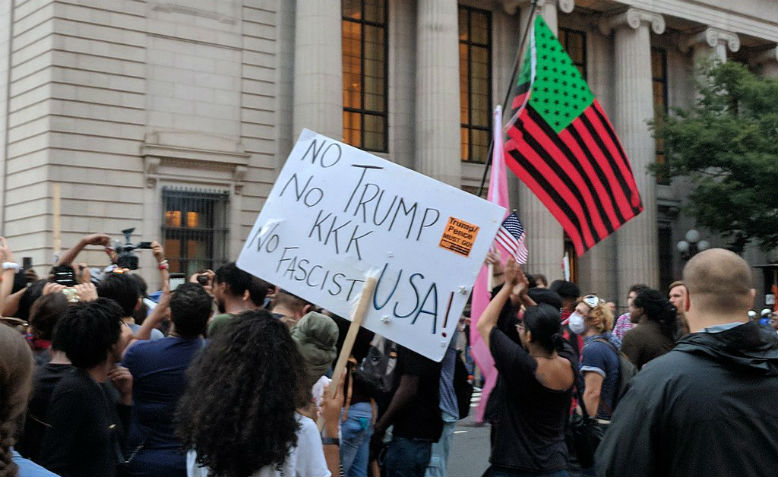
(544, 197)
(510, 248)
(613, 183)
(518, 101)
(561, 158)
(605, 131)
(624, 207)
(556, 182)
(601, 188)
(506, 236)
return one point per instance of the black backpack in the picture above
(376, 371)
(627, 371)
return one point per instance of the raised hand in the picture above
(97, 239)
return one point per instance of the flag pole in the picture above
(516, 64)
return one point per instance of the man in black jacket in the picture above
(708, 407)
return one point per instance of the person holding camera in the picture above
(121, 288)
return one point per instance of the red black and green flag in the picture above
(564, 148)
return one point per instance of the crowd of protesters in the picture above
(229, 376)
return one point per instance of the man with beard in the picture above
(677, 297)
(230, 290)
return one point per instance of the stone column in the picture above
(318, 68)
(437, 78)
(545, 238)
(402, 68)
(710, 43)
(637, 254)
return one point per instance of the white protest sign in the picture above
(337, 214)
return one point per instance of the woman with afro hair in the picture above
(238, 414)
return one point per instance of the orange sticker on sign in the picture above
(459, 236)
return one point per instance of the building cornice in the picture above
(716, 17)
(633, 18)
(711, 37)
(512, 6)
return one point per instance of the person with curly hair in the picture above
(655, 335)
(86, 416)
(238, 413)
(16, 365)
(599, 370)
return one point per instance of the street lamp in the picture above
(692, 244)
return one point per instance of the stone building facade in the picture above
(174, 116)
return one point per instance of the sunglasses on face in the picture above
(591, 300)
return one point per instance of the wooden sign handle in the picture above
(348, 344)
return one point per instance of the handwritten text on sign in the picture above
(337, 213)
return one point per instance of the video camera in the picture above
(126, 257)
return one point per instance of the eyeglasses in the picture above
(591, 300)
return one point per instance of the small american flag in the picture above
(511, 238)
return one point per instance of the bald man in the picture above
(708, 407)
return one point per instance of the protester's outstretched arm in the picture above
(6, 256)
(160, 311)
(164, 273)
(515, 281)
(152, 321)
(11, 303)
(94, 239)
(330, 410)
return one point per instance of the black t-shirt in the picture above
(529, 425)
(87, 428)
(46, 379)
(420, 419)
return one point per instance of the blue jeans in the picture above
(355, 435)
(469, 362)
(439, 459)
(407, 457)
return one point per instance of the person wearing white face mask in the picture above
(599, 356)
(598, 377)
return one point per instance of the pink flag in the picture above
(498, 193)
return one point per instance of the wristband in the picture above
(163, 265)
(11, 266)
(330, 441)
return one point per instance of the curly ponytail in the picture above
(658, 309)
(15, 383)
